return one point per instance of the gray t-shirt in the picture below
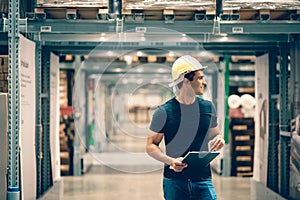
(185, 128)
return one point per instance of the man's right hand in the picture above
(177, 165)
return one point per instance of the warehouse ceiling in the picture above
(85, 29)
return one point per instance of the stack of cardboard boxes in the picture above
(4, 73)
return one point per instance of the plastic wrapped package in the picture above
(171, 4)
(71, 3)
(261, 4)
(263, 9)
(210, 4)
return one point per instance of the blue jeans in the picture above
(175, 189)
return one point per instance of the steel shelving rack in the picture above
(256, 37)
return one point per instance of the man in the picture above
(186, 123)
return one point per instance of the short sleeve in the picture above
(158, 121)
(214, 118)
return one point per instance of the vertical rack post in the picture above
(38, 126)
(272, 176)
(284, 122)
(115, 6)
(115, 10)
(13, 186)
(46, 170)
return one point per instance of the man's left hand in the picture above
(216, 144)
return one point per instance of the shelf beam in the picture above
(184, 26)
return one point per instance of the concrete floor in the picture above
(102, 182)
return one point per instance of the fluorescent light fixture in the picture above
(171, 53)
(139, 53)
(140, 70)
(124, 81)
(161, 70)
(153, 81)
(118, 70)
(109, 53)
(139, 81)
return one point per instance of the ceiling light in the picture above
(224, 38)
(223, 34)
(140, 70)
(139, 81)
(118, 70)
(171, 53)
(109, 53)
(125, 81)
(161, 70)
(153, 81)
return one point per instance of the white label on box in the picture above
(237, 29)
(46, 29)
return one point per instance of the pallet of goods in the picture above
(55, 9)
(242, 146)
(157, 10)
(263, 9)
(70, 3)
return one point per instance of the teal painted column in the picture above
(226, 109)
(226, 170)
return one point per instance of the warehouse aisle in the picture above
(105, 183)
(124, 171)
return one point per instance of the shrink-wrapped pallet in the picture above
(261, 4)
(171, 4)
(71, 3)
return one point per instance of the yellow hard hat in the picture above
(183, 65)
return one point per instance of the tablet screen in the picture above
(200, 158)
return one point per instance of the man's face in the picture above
(198, 84)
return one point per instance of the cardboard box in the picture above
(3, 63)
(172, 4)
(71, 3)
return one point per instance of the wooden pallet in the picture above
(80, 12)
(240, 14)
(263, 14)
(161, 14)
(179, 14)
(243, 59)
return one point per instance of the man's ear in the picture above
(186, 81)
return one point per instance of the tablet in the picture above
(200, 158)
